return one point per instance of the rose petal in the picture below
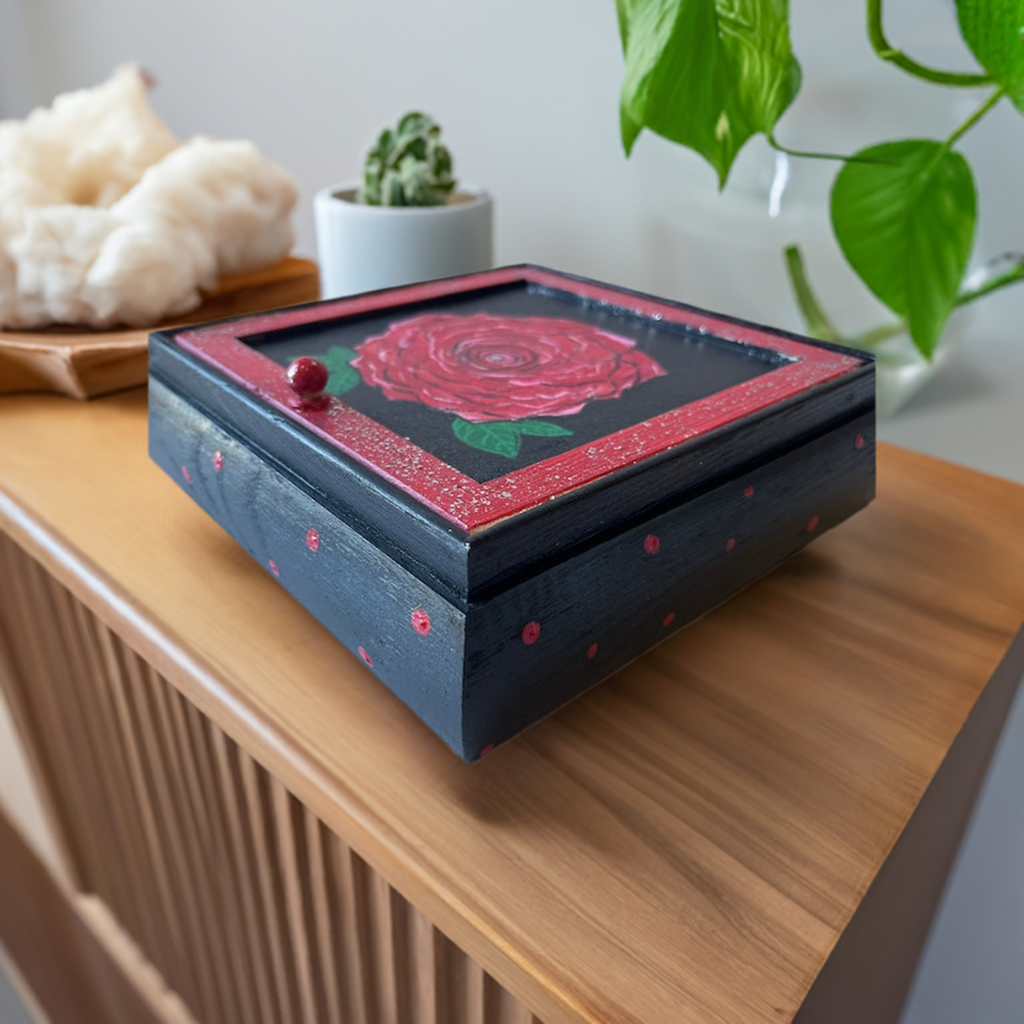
(486, 368)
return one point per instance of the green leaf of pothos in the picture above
(904, 217)
(756, 37)
(992, 29)
(707, 74)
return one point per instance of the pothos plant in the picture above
(710, 74)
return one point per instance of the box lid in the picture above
(482, 426)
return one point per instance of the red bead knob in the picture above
(308, 378)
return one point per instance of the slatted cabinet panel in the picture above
(248, 906)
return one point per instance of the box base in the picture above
(479, 674)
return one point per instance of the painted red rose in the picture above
(487, 368)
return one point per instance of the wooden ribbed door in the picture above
(248, 906)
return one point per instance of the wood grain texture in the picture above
(395, 464)
(80, 966)
(82, 362)
(203, 872)
(472, 679)
(686, 843)
(885, 938)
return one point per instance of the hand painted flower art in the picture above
(486, 368)
(498, 373)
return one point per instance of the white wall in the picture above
(527, 94)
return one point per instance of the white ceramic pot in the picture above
(362, 248)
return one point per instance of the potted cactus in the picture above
(408, 220)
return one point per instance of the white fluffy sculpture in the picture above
(106, 218)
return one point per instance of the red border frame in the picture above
(460, 499)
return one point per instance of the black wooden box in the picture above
(514, 482)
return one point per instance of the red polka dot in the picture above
(218, 461)
(812, 524)
(487, 749)
(652, 545)
(730, 544)
(592, 651)
(669, 619)
(748, 492)
(186, 474)
(313, 539)
(531, 632)
(273, 567)
(365, 656)
(858, 441)
(421, 622)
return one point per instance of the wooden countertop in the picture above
(684, 843)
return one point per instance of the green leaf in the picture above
(499, 438)
(337, 357)
(343, 377)
(503, 437)
(904, 219)
(992, 29)
(342, 380)
(629, 128)
(707, 74)
(756, 36)
(622, 12)
(538, 428)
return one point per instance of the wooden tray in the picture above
(83, 363)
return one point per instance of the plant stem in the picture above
(875, 336)
(882, 47)
(808, 155)
(818, 324)
(776, 145)
(976, 116)
(1011, 276)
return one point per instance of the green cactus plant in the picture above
(408, 166)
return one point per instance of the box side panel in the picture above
(514, 549)
(534, 647)
(408, 635)
(472, 568)
(413, 536)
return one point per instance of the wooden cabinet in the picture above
(282, 840)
